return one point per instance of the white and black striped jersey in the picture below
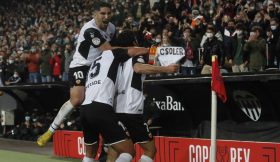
(130, 98)
(102, 76)
(90, 38)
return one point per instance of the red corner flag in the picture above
(217, 80)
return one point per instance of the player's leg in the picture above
(76, 98)
(125, 149)
(140, 133)
(91, 134)
(90, 153)
(114, 134)
(149, 149)
(77, 94)
(112, 155)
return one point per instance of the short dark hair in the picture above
(240, 26)
(126, 38)
(212, 28)
(257, 28)
(100, 4)
(274, 19)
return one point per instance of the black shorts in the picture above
(77, 76)
(98, 118)
(137, 128)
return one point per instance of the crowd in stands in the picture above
(38, 37)
(35, 123)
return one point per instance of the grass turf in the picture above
(13, 156)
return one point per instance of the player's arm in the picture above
(136, 51)
(152, 69)
(140, 66)
(123, 55)
(105, 46)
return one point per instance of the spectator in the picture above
(255, 50)
(272, 40)
(33, 62)
(236, 55)
(10, 67)
(14, 79)
(55, 62)
(68, 56)
(190, 44)
(22, 67)
(45, 66)
(212, 46)
(139, 8)
(2, 70)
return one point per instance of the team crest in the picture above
(96, 41)
(141, 60)
(78, 81)
(248, 103)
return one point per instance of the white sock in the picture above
(145, 158)
(87, 159)
(124, 157)
(65, 110)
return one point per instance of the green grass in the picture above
(12, 156)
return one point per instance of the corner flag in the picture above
(217, 80)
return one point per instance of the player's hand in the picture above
(172, 68)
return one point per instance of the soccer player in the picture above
(97, 113)
(130, 101)
(94, 38)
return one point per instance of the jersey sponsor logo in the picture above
(96, 41)
(78, 82)
(248, 103)
(169, 104)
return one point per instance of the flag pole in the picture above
(213, 126)
(213, 116)
(218, 89)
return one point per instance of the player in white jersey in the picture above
(94, 38)
(129, 102)
(97, 113)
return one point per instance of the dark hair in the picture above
(240, 26)
(274, 19)
(98, 5)
(212, 28)
(257, 28)
(126, 38)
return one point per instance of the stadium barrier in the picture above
(176, 149)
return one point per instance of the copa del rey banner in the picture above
(170, 55)
(174, 149)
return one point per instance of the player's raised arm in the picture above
(152, 69)
(136, 51)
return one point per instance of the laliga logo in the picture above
(248, 103)
(169, 104)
